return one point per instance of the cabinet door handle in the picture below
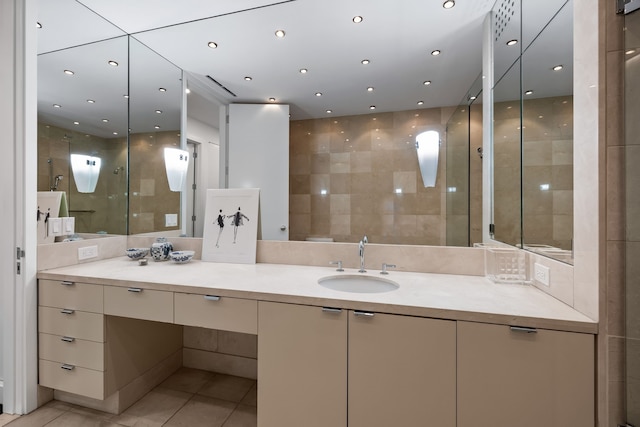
(331, 310)
(524, 329)
(136, 290)
(67, 339)
(67, 311)
(66, 283)
(212, 298)
(67, 367)
(363, 313)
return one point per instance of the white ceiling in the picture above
(396, 36)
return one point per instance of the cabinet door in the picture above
(302, 366)
(402, 371)
(510, 377)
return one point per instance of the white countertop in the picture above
(446, 296)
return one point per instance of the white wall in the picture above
(258, 157)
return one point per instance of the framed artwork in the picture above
(231, 225)
(51, 206)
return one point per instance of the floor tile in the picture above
(74, 419)
(202, 411)
(37, 418)
(156, 407)
(7, 418)
(243, 416)
(188, 380)
(251, 398)
(227, 387)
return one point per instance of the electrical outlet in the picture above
(87, 252)
(541, 274)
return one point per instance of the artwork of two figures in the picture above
(231, 225)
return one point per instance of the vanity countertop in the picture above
(445, 296)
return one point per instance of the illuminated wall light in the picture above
(545, 187)
(176, 163)
(428, 147)
(86, 170)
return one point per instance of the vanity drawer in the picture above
(76, 296)
(139, 303)
(77, 324)
(66, 349)
(74, 379)
(223, 313)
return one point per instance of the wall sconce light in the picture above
(176, 162)
(86, 170)
(428, 146)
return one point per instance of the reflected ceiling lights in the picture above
(372, 107)
(158, 111)
(557, 67)
(329, 111)
(280, 33)
(69, 72)
(318, 93)
(303, 71)
(435, 52)
(57, 106)
(105, 120)
(426, 82)
(212, 45)
(365, 61)
(126, 96)
(357, 19)
(370, 89)
(156, 127)
(529, 92)
(248, 78)
(113, 63)
(448, 4)
(272, 100)
(512, 42)
(420, 102)
(91, 101)
(161, 89)
(76, 123)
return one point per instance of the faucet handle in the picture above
(338, 263)
(385, 266)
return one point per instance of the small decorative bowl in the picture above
(181, 257)
(137, 253)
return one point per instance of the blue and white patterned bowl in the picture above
(137, 253)
(181, 256)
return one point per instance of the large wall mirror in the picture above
(533, 127)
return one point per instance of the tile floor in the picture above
(190, 397)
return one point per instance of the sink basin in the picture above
(358, 283)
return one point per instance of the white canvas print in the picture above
(231, 225)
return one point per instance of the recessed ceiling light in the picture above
(91, 101)
(156, 127)
(113, 63)
(357, 19)
(57, 106)
(280, 33)
(115, 133)
(365, 61)
(76, 123)
(303, 71)
(329, 111)
(472, 98)
(448, 4)
(435, 52)
(187, 91)
(318, 93)
(126, 96)
(529, 92)
(272, 100)
(557, 68)
(158, 111)
(426, 82)
(161, 89)
(105, 120)
(512, 42)
(420, 102)
(248, 78)
(212, 45)
(372, 107)
(69, 72)
(370, 89)
(38, 25)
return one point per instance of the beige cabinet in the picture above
(402, 371)
(524, 377)
(216, 312)
(302, 366)
(398, 370)
(138, 303)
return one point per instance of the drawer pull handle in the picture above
(67, 311)
(136, 290)
(331, 310)
(363, 313)
(66, 283)
(67, 367)
(212, 298)
(67, 339)
(524, 329)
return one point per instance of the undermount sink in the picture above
(358, 283)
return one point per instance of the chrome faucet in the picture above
(361, 251)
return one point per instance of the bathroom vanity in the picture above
(453, 350)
